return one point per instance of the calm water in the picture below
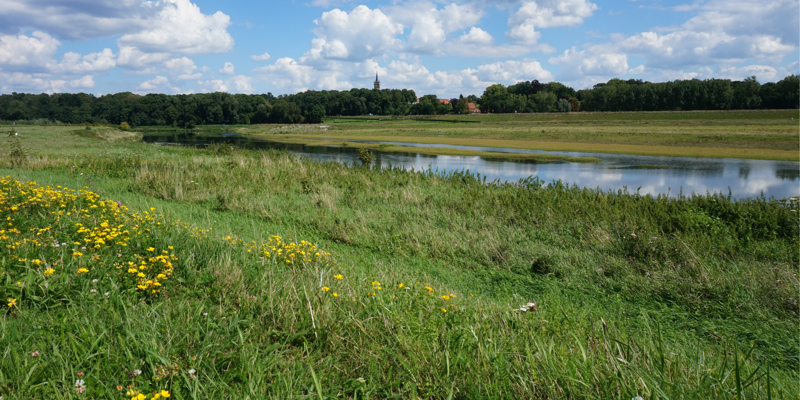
(687, 175)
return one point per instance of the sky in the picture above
(442, 47)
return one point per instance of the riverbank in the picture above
(766, 135)
(432, 151)
(417, 291)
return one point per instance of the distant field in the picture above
(738, 134)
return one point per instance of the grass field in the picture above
(130, 269)
(732, 134)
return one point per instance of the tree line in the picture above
(189, 110)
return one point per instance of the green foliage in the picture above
(16, 154)
(366, 156)
(694, 297)
(316, 115)
(124, 126)
(224, 108)
(563, 106)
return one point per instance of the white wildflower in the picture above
(80, 387)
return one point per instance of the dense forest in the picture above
(188, 110)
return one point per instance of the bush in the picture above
(366, 156)
(124, 126)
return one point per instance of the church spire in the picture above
(377, 82)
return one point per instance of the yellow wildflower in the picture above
(339, 277)
(325, 288)
(82, 270)
(49, 271)
(11, 302)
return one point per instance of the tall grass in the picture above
(694, 297)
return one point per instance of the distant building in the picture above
(444, 101)
(377, 82)
(472, 108)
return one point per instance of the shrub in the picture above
(366, 156)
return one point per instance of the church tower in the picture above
(377, 82)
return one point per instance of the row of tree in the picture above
(636, 95)
(187, 110)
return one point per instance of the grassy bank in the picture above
(733, 134)
(441, 151)
(412, 290)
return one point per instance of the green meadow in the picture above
(760, 134)
(131, 270)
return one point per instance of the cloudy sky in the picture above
(443, 47)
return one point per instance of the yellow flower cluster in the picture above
(136, 395)
(286, 251)
(57, 231)
(63, 234)
(420, 293)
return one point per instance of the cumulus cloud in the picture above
(430, 25)
(774, 18)
(180, 27)
(227, 69)
(236, 84)
(261, 57)
(723, 34)
(77, 19)
(510, 72)
(355, 36)
(37, 83)
(75, 63)
(533, 14)
(157, 85)
(286, 73)
(476, 36)
(133, 58)
(479, 43)
(182, 68)
(597, 61)
(31, 52)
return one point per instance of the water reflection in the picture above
(682, 175)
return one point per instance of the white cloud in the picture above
(182, 68)
(77, 19)
(431, 25)
(157, 85)
(476, 36)
(361, 34)
(775, 18)
(510, 72)
(39, 83)
(764, 73)
(180, 27)
(261, 57)
(227, 69)
(76, 63)
(236, 84)
(133, 58)
(726, 35)
(597, 61)
(533, 14)
(31, 52)
(286, 73)
(479, 43)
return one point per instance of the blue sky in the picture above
(442, 47)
